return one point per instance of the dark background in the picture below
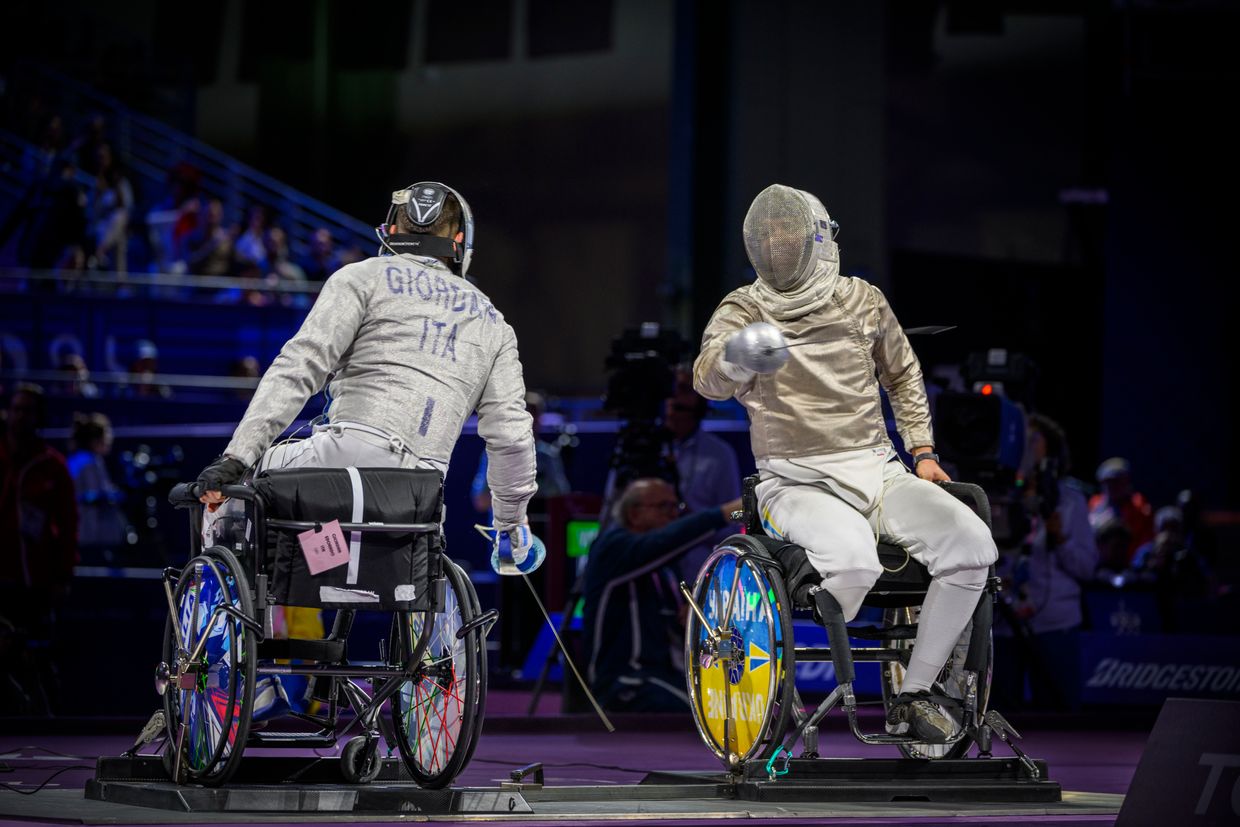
(1056, 178)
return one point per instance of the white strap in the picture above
(355, 537)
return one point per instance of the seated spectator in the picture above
(207, 250)
(102, 526)
(142, 372)
(322, 260)
(706, 465)
(1173, 569)
(111, 204)
(172, 218)
(280, 271)
(250, 247)
(1036, 633)
(634, 614)
(1113, 540)
(1118, 500)
(76, 382)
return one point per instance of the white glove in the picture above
(758, 347)
(514, 550)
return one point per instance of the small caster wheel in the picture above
(360, 762)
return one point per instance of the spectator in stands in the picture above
(250, 248)
(172, 218)
(102, 528)
(634, 614)
(111, 204)
(76, 382)
(86, 147)
(38, 515)
(550, 476)
(706, 465)
(1118, 500)
(40, 162)
(1036, 633)
(142, 372)
(322, 259)
(1113, 540)
(208, 249)
(282, 270)
(1181, 577)
(56, 232)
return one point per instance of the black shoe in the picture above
(916, 715)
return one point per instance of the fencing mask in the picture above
(789, 238)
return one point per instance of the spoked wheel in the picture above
(209, 667)
(952, 680)
(739, 664)
(437, 715)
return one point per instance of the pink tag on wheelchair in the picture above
(324, 549)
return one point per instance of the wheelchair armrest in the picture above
(974, 496)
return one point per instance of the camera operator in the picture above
(634, 615)
(1036, 634)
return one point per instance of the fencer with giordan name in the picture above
(831, 481)
(411, 349)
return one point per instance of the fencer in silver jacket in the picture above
(844, 340)
(414, 350)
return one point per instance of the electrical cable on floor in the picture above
(46, 781)
(15, 750)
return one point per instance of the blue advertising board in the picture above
(1148, 669)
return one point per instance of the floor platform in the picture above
(590, 778)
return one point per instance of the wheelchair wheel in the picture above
(437, 715)
(209, 698)
(951, 679)
(739, 666)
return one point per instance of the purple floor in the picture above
(576, 750)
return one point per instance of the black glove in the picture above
(225, 470)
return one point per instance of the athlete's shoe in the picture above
(916, 714)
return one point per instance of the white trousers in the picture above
(338, 445)
(838, 521)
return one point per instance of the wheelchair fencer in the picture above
(219, 634)
(741, 658)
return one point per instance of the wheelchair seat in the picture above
(904, 580)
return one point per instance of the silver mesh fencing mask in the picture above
(787, 234)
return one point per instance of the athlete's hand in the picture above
(225, 470)
(931, 471)
(758, 347)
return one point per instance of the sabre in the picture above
(928, 330)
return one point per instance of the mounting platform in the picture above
(900, 779)
(289, 786)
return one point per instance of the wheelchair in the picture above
(741, 658)
(219, 639)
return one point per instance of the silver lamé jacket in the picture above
(825, 399)
(415, 350)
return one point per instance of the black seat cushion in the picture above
(392, 572)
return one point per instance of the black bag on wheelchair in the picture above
(390, 572)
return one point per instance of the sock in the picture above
(949, 605)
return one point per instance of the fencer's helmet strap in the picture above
(424, 245)
(423, 205)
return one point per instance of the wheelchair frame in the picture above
(759, 576)
(243, 618)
